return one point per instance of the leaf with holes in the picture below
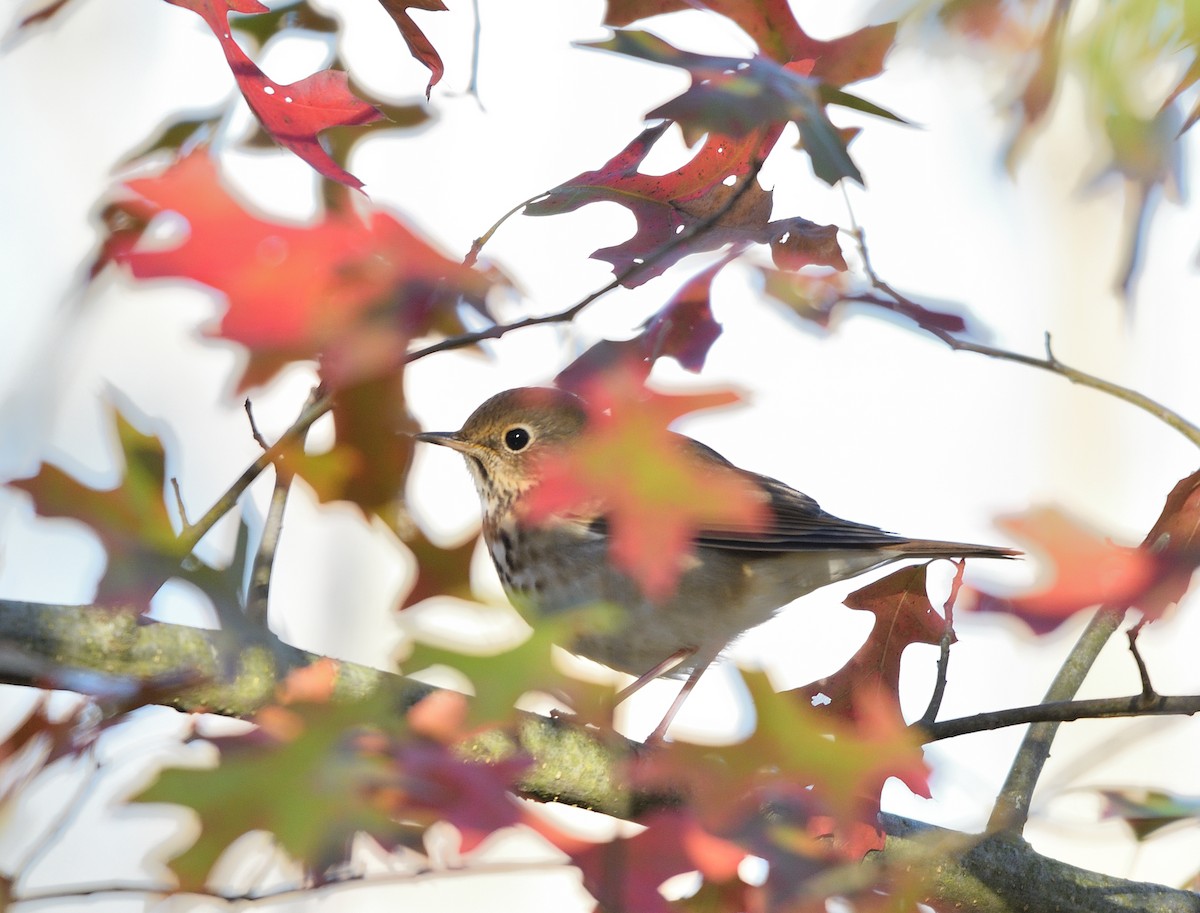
(712, 201)
(295, 113)
(773, 27)
(737, 97)
(903, 616)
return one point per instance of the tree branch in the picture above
(1001, 873)
(902, 304)
(996, 873)
(1011, 810)
(1065, 712)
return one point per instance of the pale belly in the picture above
(720, 595)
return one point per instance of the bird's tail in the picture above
(934, 548)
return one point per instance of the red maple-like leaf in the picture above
(653, 489)
(348, 290)
(1174, 541)
(701, 206)
(845, 761)
(903, 616)
(294, 113)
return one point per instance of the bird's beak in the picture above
(449, 439)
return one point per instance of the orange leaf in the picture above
(653, 491)
(348, 290)
(1088, 570)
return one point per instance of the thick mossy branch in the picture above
(1001, 873)
(111, 652)
(54, 645)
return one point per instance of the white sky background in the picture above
(878, 423)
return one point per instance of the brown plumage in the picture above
(736, 578)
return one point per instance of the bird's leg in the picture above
(660, 731)
(662, 668)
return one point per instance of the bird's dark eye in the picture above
(516, 438)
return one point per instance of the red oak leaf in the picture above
(1088, 571)
(131, 520)
(903, 616)
(702, 206)
(684, 329)
(819, 771)
(1174, 541)
(775, 30)
(348, 290)
(845, 761)
(439, 570)
(294, 113)
(653, 489)
(626, 873)
(735, 97)
(432, 780)
(418, 45)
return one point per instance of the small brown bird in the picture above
(734, 580)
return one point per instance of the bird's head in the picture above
(506, 437)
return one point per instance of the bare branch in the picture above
(1103, 708)
(1011, 810)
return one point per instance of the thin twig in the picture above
(259, 590)
(1049, 363)
(477, 245)
(1148, 692)
(939, 687)
(318, 407)
(568, 314)
(254, 432)
(476, 41)
(322, 403)
(1056, 712)
(183, 517)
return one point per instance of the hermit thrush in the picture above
(734, 581)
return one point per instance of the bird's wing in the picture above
(796, 522)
